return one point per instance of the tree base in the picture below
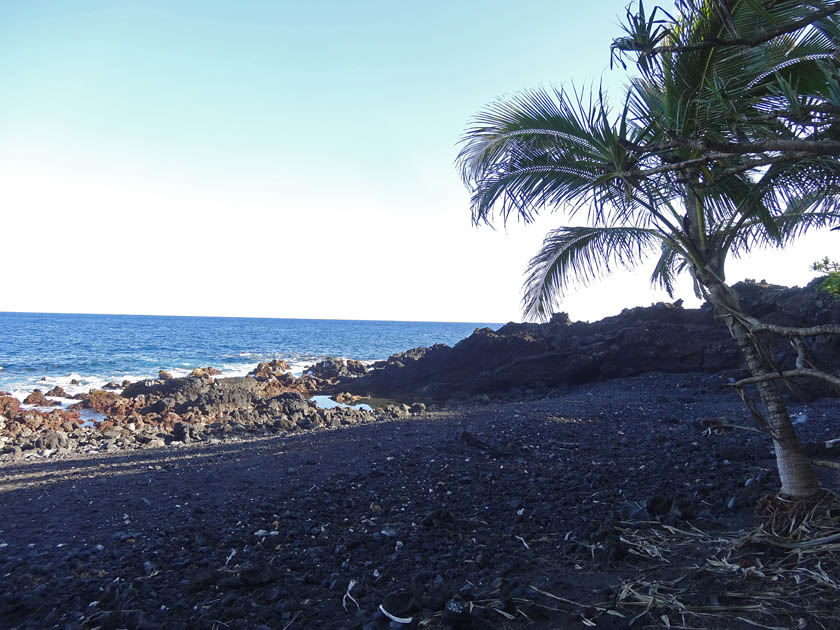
(800, 519)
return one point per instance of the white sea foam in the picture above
(232, 366)
(22, 387)
(236, 368)
(297, 364)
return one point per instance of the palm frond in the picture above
(543, 149)
(680, 167)
(798, 220)
(581, 254)
(672, 261)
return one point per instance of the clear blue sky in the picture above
(287, 159)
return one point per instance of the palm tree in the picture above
(727, 139)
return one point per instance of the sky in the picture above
(285, 159)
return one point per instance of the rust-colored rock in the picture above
(331, 368)
(109, 403)
(9, 406)
(281, 384)
(57, 392)
(37, 398)
(268, 370)
(203, 372)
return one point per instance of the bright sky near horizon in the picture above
(284, 159)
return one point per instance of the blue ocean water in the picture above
(43, 350)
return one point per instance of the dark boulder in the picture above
(332, 368)
(659, 338)
(37, 398)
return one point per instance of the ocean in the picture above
(44, 349)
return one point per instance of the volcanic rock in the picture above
(37, 398)
(270, 369)
(536, 357)
(204, 372)
(332, 368)
(9, 406)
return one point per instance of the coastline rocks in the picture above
(186, 431)
(108, 403)
(268, 370)
(186, 408)
(178, 411)
(57, 392)
(204, 372)
(531, 358)
(332, 368)
(20, 424)
(9, 406)
(400, 359)
(274, 378)
(51, 440)
(38, 399)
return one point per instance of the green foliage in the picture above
(727, 139)
(831, 282)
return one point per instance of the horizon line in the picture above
(331, 319)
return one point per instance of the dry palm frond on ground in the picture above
(771, 577)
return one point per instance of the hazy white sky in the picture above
(283, 159)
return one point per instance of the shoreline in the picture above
(203, 406)
(515, 362)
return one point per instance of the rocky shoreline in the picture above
(529, 358)
(516, 362)
(176, 411)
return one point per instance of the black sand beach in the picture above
(509, 515)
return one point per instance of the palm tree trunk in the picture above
(796, 474)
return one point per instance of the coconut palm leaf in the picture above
(673, 260)
(581, 254)
(542, 149)
(790, 225)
